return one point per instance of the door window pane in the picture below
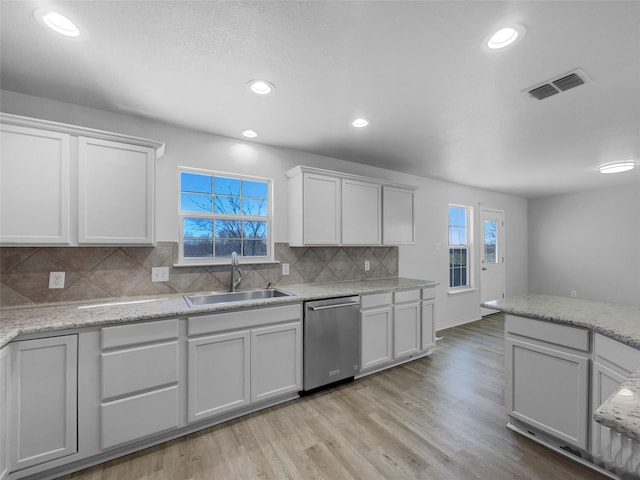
(490, 243)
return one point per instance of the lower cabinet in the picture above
(43, 400)
(4, 379)
(376, 330)
(547, 378)
(406, 329)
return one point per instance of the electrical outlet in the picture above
(56, 279)
(285, 269)
(160, 274)
(367, 266)
(574, 294)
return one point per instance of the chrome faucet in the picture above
(233, 285)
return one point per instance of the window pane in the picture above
(254, 207)
(255, 229)
(198, 228)
(457, 216)
(194, 202)
(224, 247)
(227, 205)
(229, 229)
(490, 246)
(195, 182)
(255, 248)
(254, 189)
(226, 186)
(198, 248)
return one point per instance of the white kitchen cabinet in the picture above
(613, 363)
(406, 323)
(547, 378)
(35, 198)
(43, 400)
(428, 318)
(218, 374)
(276, 361)
(376, 330)
(4, 384)
(398, 217)
(361, 213)
(139, 381)
(116, 192)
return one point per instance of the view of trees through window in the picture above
(224, 214)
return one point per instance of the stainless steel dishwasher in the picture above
(331, 341)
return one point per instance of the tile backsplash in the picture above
(93, 273)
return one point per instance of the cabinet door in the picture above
(43, 418)
(376, 327)
(116, 193)
(398, 216)
(406, 329)
(428, 325)
(276, 361)
(321, 215)
(4, 384)
(218, 374)
(361, 213)
(34, 186)
(605, 382)
(548, 389)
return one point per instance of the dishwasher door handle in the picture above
(326, 307)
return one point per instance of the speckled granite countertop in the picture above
(35, 319)
(621, 411)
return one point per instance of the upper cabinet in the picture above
(331, 208)
(68, 185)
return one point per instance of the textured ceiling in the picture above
(440, 106)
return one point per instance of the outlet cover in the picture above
(285, 269)
(160, 274)
(56, 279)
(367, 265)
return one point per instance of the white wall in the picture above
(588, 242)
(197, 149)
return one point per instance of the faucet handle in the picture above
(268, 285)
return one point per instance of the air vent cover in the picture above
(559, 84)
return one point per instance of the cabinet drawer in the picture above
(429, 293)
(138, 417)
(375, 300)
(124, 335)
(406, 296)
(566, 336)
(137, 369)
(620, 355)
(219, 322)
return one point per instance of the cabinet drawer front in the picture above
(142, 368)
(137, 417)
(429, 293)
(219, 322)
(375, 300)
(566, 336)
(153, 331)
(620, 355)
(406, 296)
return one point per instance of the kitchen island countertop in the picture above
(621, 411)
(29, 319)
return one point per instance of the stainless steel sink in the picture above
(234, 297)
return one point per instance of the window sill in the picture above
(461, 291)
(225, 262)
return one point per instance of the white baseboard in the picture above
(457, 321)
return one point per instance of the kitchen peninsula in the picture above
(572, 377)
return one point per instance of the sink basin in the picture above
(234, 297)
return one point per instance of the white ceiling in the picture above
(440, 106)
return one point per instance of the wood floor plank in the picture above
(437, 418)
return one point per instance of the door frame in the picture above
(501, 251)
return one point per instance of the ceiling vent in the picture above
(560, 84)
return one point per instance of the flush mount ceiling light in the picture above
(360, 122)
(57, 22)
(617, 167)
(250, 133)
(503, 38)
(261, 87)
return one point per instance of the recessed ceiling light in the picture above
(504, 37)
(250, 133)
(360, 122)
(57, 22)
(617, 167)
(261, 87)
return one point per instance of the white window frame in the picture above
(468, 247)
(192, 261)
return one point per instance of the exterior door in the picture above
(492, 283)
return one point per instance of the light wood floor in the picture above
(439, 417)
